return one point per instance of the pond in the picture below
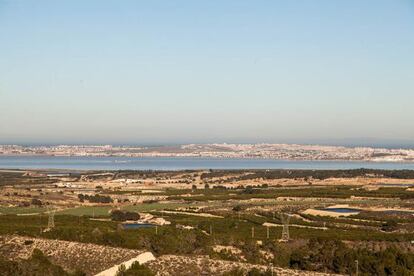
(342, 210)
(136, 225)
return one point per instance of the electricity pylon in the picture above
(51, 220)
(285, 218)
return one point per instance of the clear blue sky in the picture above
(206, 71)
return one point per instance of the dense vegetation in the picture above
(20, 178)
(330, 255)
(319, 254)
(242, 193)
(317, 174)
(95, 198)
(118, 215)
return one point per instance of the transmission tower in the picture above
(51, 220)
(285, 218)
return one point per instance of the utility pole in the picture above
(252, 232)
(156, 229)
(357, 267)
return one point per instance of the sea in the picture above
(182, 163)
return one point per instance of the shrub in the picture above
(136, 269)
(118, 215)
(36, 202)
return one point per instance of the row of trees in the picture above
(118, 215)
(95, 198)
(309, 174)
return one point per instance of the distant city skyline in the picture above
(176, 72)
(222, 150)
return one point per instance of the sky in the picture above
(166, 72)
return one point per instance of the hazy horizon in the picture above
(175, 72)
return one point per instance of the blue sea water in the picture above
(181, 163)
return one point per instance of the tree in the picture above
(389, 226)
(138, 269)
(237, 208)
(121, 270)
(81, 197)
(36, 202)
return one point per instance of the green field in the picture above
(21, 210)
(91, 211)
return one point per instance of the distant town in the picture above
(268, 151)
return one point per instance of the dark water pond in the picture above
(342, 210)
(136, 225)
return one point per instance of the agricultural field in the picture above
(282, 220)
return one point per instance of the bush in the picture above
(95, 199)
(237, 208)
(136, 269)
(389, 226)
(118, 215)
(36, 202)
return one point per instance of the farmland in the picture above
(214, 214)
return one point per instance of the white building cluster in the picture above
(268, 151)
